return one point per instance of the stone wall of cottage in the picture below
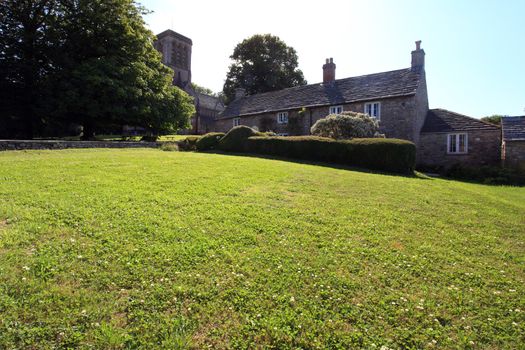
(399, 117)
(514, 154)
(420, 109)
(483, 149)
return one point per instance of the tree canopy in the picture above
(262, 63)
(494, 119)
(85, 62)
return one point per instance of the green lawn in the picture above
(149, 249)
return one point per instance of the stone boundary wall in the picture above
(13, 145)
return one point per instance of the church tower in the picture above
(176, 54)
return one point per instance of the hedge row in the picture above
(390, 155)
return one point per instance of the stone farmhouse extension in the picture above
(398, 99)
(513, 145)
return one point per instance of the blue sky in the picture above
(475, 50)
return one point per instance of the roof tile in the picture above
(441, 120)
(513, 128)
(401, 82)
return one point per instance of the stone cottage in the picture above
(397, 99)
(449, 138)
(176, 54)
(513, 142)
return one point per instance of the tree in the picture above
(93, 64)
(346, 125)
(262, 63)
(202, 89)
(112, 75)
(494, 119)
(25, 60)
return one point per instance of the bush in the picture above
(490, 175)
(149, 138)
(209, 141)
(234, 139)
(391, 155)
(346, 125)
(169, 147)
(189, 143)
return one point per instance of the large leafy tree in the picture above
(26, 50)
(104, 69)
(262, 63)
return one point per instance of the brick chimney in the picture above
(418, 57)
(239, 93)
(329, 71)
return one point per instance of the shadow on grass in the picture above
(413, 175)
(486, 182)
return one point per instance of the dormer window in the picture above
(336, 109)
(373, 109)
(282, 118)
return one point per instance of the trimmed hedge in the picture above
(390, 155)
(189, 143)
(209, 141)
(490, 175)
(235, 138)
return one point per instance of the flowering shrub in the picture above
(346, 125)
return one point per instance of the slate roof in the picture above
(441, 120)
(513, 128)
(209, 102)
(170, 32)
(402, 82)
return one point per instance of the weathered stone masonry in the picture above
(12, 145)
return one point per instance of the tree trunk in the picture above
(88, 132)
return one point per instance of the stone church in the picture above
(176, 54)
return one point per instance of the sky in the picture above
(475, 49)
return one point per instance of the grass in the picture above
(141, 248)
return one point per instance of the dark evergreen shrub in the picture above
(149, 138)
(235, 138)
(390, 155)
(209, 141)
(188, 144)
(490, 175)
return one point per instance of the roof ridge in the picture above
(515, 116)
(321, 83)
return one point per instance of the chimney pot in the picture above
(329, 71)
(418, 58)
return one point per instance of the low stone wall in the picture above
(12, 145)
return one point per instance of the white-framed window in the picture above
(373, 109)
(282, 118)
(457, 143)
(236, 121)
(336, 109)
